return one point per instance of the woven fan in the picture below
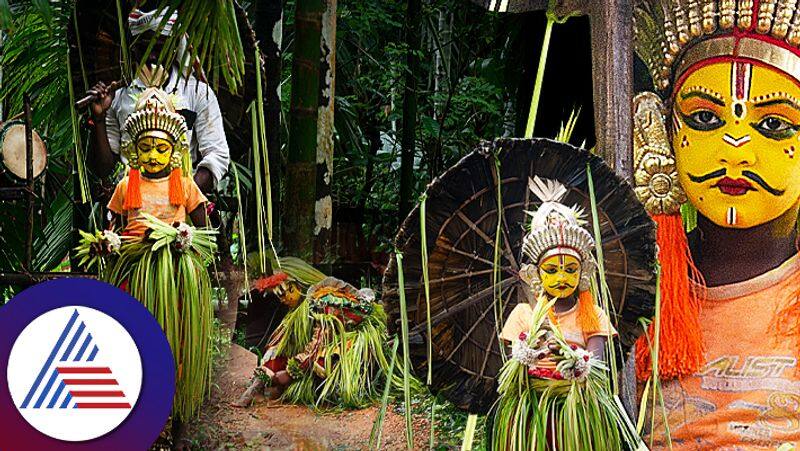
(461, 223)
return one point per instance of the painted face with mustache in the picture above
(560, 275)
(735, 135)
(154, 153)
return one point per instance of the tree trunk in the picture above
(269, 32)
(298, 229)
(323, 208)
(410, 108)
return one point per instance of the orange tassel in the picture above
(551, 315)
(176, 196)
(587, 316)
(133, 195)
(680, 344)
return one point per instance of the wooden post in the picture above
(611, 24)
(29, 182)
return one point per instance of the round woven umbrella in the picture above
(461, 224)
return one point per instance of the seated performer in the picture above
(729, 77)
(330, 350)
(273, 297)
(160, 259)
(194, 99)
(549, 361)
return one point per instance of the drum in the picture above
(12, 152)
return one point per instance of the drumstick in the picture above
(88, 99)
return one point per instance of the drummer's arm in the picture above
(198, 216)
(101, 158)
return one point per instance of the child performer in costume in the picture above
(554, 390)
(161, 260)
(721, 132)
(330, 350)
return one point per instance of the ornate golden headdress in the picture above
(557, 229)
(673, 35)
(154, 116)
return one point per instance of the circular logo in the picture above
(87, 367)
(87, 362)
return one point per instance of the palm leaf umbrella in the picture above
(461, 222)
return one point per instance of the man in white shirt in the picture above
(195, 100)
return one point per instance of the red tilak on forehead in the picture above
(740, 88)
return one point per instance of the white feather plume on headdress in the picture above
(551, 193)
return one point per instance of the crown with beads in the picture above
(557, 229)
(673, 35)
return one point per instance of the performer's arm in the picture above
(198, 216)
(101, 158)
(213, 146)
(597, 346)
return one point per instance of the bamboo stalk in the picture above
(262, 134)
(426, 281)
(406, 352)
(377, 426)
(257, 185)
(469, 432)
(537, 86)
(123, 42)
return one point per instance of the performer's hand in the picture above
(102, 100)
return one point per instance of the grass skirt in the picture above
(564, 415)
(350, 360)
(176, 288)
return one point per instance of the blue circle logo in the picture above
(86, 367)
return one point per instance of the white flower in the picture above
(183, 240)
(577, 364)
(523, 353)
(113, 240)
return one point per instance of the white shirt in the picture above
(208, 146)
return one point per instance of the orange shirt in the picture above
(155, 201)
(747, 396)
(520, 320)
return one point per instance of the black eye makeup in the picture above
(775, 127)
(703, 120)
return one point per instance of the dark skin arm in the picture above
(204, 180)
(198, 216)
(101, 159)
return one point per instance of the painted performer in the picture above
(160, 259)
(273, 297)
(557, 370)
(724, 127)
(330, 351)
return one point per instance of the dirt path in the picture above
(269, 425)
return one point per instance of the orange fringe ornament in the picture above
(680, 343)
(133, 195)
(176, 187)
(587, 315)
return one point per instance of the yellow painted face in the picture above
(560, 275)
(735, 134)
(293, 294)
(154, 153)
